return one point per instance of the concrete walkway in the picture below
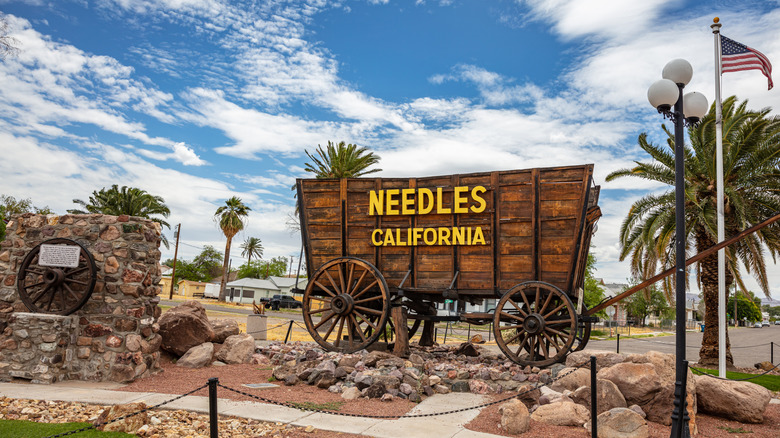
(450, 425)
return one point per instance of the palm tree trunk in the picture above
(225, 273)
(708, 355)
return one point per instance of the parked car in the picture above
(757, 325)
(281, 301)
(777, 322)
(765, 323)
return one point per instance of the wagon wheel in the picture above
(53, 289)
(353, 298)
(583, 332)
(535, 324)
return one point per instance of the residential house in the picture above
(286, 284)
(247, 290)
(189, 288)
(618, 310)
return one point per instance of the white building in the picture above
(247, 290)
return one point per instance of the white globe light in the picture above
(678, 71)
(695, 106)
(663, 94)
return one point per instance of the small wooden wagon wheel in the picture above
(535, 324)
(352, 297)
(60, 290)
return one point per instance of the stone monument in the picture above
(78, 298)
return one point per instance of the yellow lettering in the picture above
(389, 239)
(479, 238)
(416, 235)
(439, 201)
(392, 203)
(373, 237)
(444, 236)
(424, 201)
(468, 236)
(375, 202)
(398, 240)
(407, 202)
(458, 234)
(459, 200)
(432, 233)
(480, 201)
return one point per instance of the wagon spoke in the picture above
(332, 282)
(511, 327)
(41, 294)
(320, 310)
(73, 280)
(560, 322)
(323, 321)
(366, 309)
(51, 300)
(509, 315)
(35, 285)
(373, 283)
(555, 311)
(348, 289)
(360, 332)
(525, 300)
(546, 302)
(349, 330)
(73, 294)
(365, 300)
(522, 312)
(62, 299)
(322, 286)
(536, 306)
(558, 332)
(522, 343)
(366, 320)
(338, 335)
(76, 270)
(35, 271)
(513, 338)
(359, 282)
(546, 346)
(551, 342)
(341, 278)
(323, 299)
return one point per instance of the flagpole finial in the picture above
(715, 25)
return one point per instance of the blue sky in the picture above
(200, 100)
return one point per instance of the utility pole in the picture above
(176, 233)
(289, 273)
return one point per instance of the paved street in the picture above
(748, 345)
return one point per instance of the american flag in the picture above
(737, 56)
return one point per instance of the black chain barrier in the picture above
(436, 414)
(93, 426)
(269, 328)
(702, 373)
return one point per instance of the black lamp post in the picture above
(663, 95)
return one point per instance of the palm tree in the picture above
(751, 156)
(252, 245)
(230, 218)
(342, 161)
(127, 200)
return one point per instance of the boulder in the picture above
(198, 356)
(351, 393)
(621, 423)
(223, 328)
(127, 425)
(183, 327)
(604, 359)
(515, 418)
(739, 401)
(659, 408)
(572, 378)
(467, 349)
(565, 413)
(638, 382)
(528, 394)
(375, 356)
(608, 396)
(237, 349)
(376, 390)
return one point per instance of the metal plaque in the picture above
(62, 256)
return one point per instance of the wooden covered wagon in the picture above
(379, 245)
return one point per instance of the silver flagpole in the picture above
(721, 221)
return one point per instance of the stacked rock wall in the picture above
(114, 335)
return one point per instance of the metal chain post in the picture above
(289, 330)
(593, 399)
(213, 417)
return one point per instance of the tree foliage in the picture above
(252, 246)
(751, 156)
(230, 219)
(129, 201)
(341, 161)
(594, 292)
(10, 206)
(204, 267)
(746, 308)
(646, 303)
(276, 267)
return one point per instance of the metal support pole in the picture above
(679, 420)
(593, 399)
(772, 352)
(213, 418)
(617, 349)
(469, 335)
(175, 255)
(289, 330)
(490, 329)
(445, 332)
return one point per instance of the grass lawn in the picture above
(31, 429)
(768, 381)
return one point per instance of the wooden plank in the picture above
(575, 173)
(557, 246)
(555, 209)
(522, 228)
(563, 191)
(555, 263)
(516, 210)
(326, 216)
(515, 176)
(558, 227)
(516, 263)
(319, 200)
(515, 193)
(328, 231)
(515, 245)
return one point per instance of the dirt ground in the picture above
(177, 380)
